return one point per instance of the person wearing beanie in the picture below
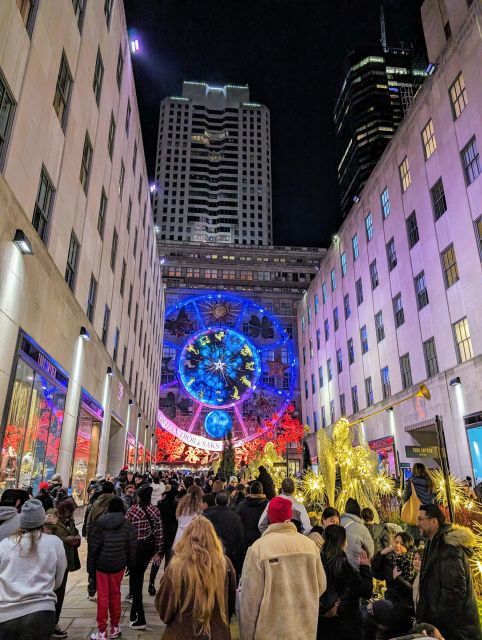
(44, 496)
(9, 515)
(98, 509)
(32, 566)
(146, 521)
(281, 570)
(300, 515)
(357, 535)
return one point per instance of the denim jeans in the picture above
(34, 626)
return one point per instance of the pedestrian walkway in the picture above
(79, 614)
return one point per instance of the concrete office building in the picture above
(77, 248)
(213, 168)
(397, 301)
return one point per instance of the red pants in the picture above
(108, 598)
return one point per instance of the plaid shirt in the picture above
(147, 523)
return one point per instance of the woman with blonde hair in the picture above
(188, 508)
(197, 593)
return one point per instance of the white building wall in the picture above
(463, 299)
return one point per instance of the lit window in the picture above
(405, 178)
(463, 343)
(385, 200)
(316, 304)
(369, 227)
(421, 290)
(449, 265)
(471, 161)
(354, 242)
(458, 96)
(428, 138)
(63, 91)
(386, 388)
(406, 371)
(439, 203)
(412, 229)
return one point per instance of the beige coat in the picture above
(281, 584)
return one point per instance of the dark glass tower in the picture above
(378, 88)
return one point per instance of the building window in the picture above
(121, 179)
(478, 234)
(405, 179)
(313, 386)
(113, 250)
(308, 309)
(92, 297)
(369, 226)
(123, 278)
(102, 213)
(354, 399)
(354, 244)
(471, 161)
(430, 355)
(28, 10)
(391, 254)
(385, 201)
(120, 68)
(339, 361)
(108, 4)
(317, 304)
(86, 164)
(63, 91)
(428, 138)
(359, 291)
(463, 343)
(364, 339)
(386, 388)
(116, 344)
(350, 351)
(315, 421)
(343, 264)
(329, 369)
(327, 330)
(336, 321)
(368, 391)
(332, 411)
(311, 348)
(128, 117)
(98, 77)
(406, 371)
(105, 325)
(458, 96)
(342, 405)
(134, 157)
(412, 229)
(320, 376)
(449, 265)
(439, 203)
(323, 292)
(346, 305)
(306, 389)
(318, 339)
(79, 10)
(374, 274)
(398, 310)
(124, 360)
(129, 301)
(72, 261)
(379, 326)
(421, 290)
(303, 323)
(333, 279)
(323, 417)
(7, 109)
(111, 138)
(43, 206)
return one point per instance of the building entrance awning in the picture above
(423, 424)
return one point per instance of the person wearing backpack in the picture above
(146, 522)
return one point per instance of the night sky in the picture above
(291, 53)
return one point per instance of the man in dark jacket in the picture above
(112, 549)
(98, 509)
(229, 528)
(44, 496)
(447, 597)
(250, 510)
(266, 480)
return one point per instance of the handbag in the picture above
(410, 509)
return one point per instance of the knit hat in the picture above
(279, 510)
(233, 480)
(353, 507)
(56, 478)
(43, 485)
(32, 514)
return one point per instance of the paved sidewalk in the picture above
(79, 614)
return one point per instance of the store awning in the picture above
(423, 424)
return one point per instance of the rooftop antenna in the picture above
(383, 32)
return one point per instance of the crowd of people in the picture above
(232, 546)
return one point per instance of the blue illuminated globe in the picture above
(218, 424)
(219, 367)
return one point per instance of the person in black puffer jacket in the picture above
(111, 550)
(250, 510)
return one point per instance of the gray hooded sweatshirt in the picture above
(9, 521)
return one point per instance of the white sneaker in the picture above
(115, 632)
(99, 635)
(133, 624)
(92, 598)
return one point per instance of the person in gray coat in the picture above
(357, 535)
(10, 505)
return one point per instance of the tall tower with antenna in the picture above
(383, 30)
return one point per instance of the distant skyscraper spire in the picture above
(383, 32)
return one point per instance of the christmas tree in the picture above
(227, 466)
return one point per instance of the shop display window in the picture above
(85, 454)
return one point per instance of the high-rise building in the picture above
(377, 90)
(213, 169)
(81, 295)
(397, 300)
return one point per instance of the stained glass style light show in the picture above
(228, 366)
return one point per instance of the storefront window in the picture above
(86, 451)
(130, 451)
(475, 442)
(140, 456)
(385, 450)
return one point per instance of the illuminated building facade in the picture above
(377, 91)
(213, 167)
(397, 300)
(81, 317)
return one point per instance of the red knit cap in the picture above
(43, 485)
(279, 510)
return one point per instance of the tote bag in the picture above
(410, 509)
